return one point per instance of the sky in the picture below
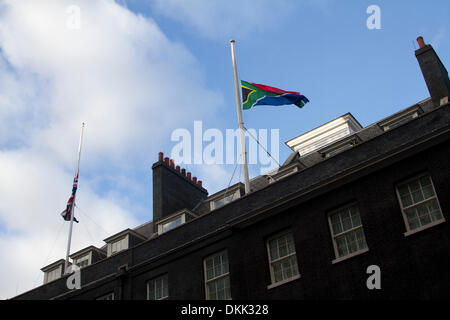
(137, 70)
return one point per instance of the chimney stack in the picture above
(173, 189)
(434, 73)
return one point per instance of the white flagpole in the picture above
(240, 121)
(72, 214)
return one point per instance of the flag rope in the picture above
(51, 250)
(261, 146)
(87, 216)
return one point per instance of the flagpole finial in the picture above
(232, 41)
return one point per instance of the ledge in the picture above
(354, 254)
(430, 225)
(279, 283)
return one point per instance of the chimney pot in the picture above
(199, 182)
(166, 160)
(189, 175)
(420, 42)
(172, 164)
(183, 172)
(177, 168)
(160, 156)
(194, 179)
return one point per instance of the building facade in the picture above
(349, 199)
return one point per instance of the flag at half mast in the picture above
(67, 213)
(254, 94)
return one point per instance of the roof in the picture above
(125, 232)
(86, 250)
(54, 264)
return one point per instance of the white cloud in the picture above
(120, 74)
(226, 18)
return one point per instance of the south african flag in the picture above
(254, 94)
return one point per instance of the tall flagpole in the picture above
(240, 121)
(73, 204)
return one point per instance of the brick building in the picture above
(348, 197)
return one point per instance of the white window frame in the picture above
(403, 209)
(106, 296)
(87, 256)
(279, 174)
(162, 224)
(400, 118)
(340, 146)
(233, 195)
(57, 270)
(271, 262)
(124, 245)
(207, 281)
(152, 281)
(339, 258)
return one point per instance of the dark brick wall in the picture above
(415, 266)
(172, 192)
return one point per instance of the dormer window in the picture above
(122, 241)
(54, 274)
(178, 221)
(227, 199)
(283, 172)
(87, 256)
(53, 271)
(175, 220)
(226, 196)
(324, 135)
(340, 146)
(83, 261)
(119, 245)
(400, 118)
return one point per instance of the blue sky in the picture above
(136, 70)
(321, 48)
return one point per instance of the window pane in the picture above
(433, 207)
(282, 247)
(361, 239)
(212, 290)
(425, 181)
(158, 288)
(172, 224)
(419, 214)
(283, 268)
(341, 246)
(216, 267)
(406, 200)
(428, 191)
(417, 196)
(273, 250)
(336, 224)
(277, 271)
(351, 242)
(412, 218)
(348, 241)
(346, 222)
(356, 220)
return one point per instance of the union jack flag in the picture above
(67, 213)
